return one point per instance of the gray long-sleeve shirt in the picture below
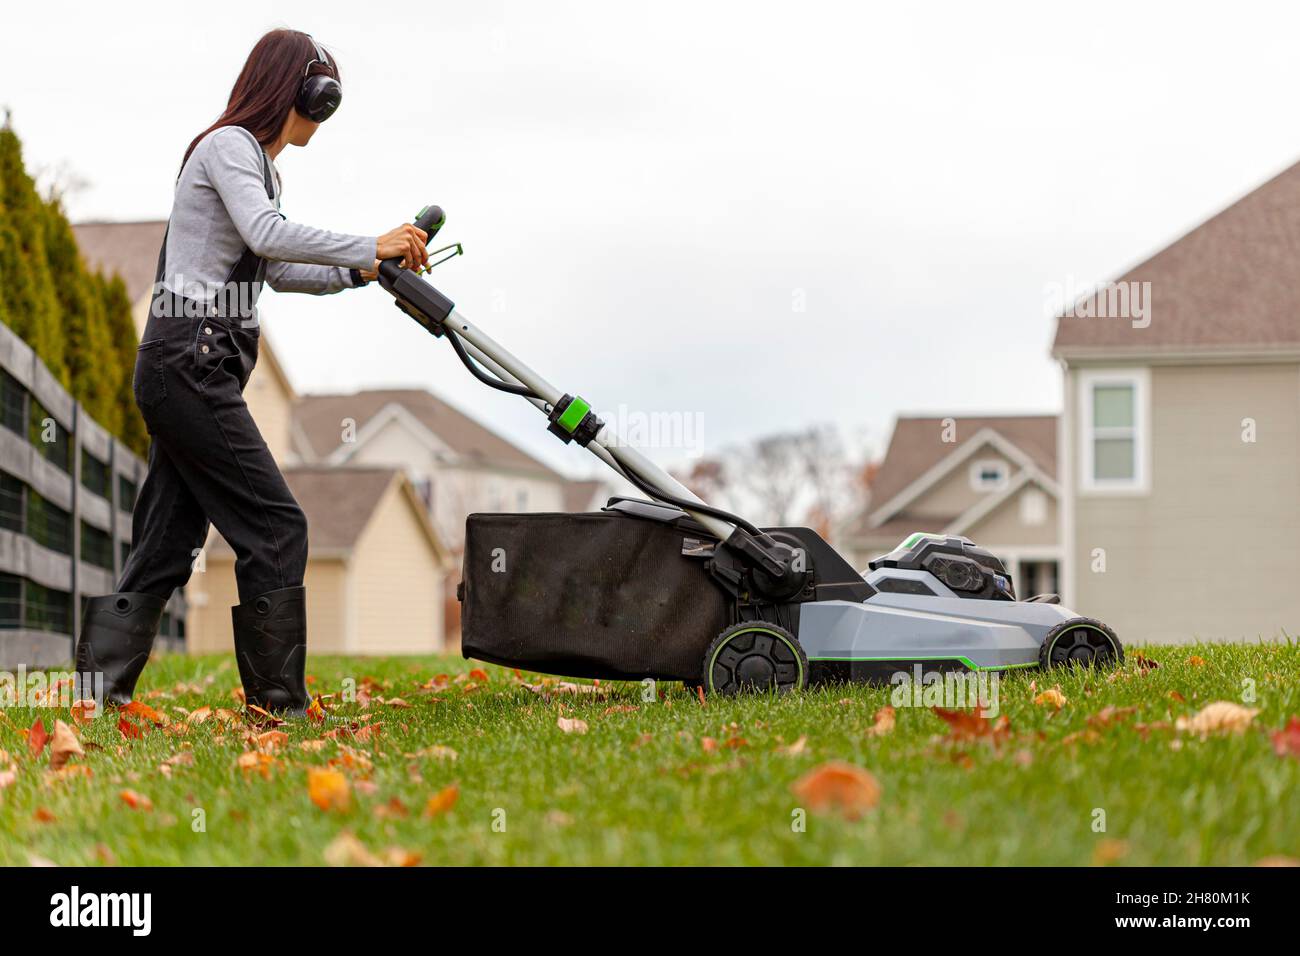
(221, 208)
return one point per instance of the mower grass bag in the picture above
(603, 595)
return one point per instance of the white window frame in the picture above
(1139, 379)
(977, 466)
(1033, 506)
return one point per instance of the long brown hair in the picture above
(263, 95)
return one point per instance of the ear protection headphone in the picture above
(319, 95)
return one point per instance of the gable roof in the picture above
(917, 445)
(318, 418)
(1232, 283)
(128, 248)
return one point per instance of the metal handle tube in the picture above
(606, 446)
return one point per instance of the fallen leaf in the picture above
(128, 730)
(83, 711)
(7, 778)
(709, 744)
(796, 748)
(1277, 861)
(145, 712)
(347, 850)
(1052, 697)
(328, 789)
(44, 815)
(1196, 661)
(254, 761)
(884, 722)
(136, 801)
(398, 703)
(1177, 697)
(838, 787)
(271, 740)
(571, 725)
(1286, 742)
(397, 856)
(964, 724)
(478, 674)
(393, 808)
(37, 738)
(1222, 715)
(63, 745)
(437, 752)
(442, 801)
(1110, 714)
(1109, 851)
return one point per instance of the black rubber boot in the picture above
(271, 650)
(116, 637)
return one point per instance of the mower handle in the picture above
(429, 220)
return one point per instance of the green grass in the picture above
(641, 788)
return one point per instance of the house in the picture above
(375, 576)
(991, 478)
(1180, 433)
(458, 465)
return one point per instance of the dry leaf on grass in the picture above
(328, 789)
(83, 711)
(571, 725)
(44, 815)
(37, 738)
(1109, 851)
(145, 712)
(7, 778)
(838, 787)
(63, 746)
(442, 801)
(1222, 716)
(347, 850)
(271, 740)
(254, 761)
(1052, 697)
(437, 752)
(796, 748)
(1286, 742)
(128, 730)
(1196, 661)
(136, 801)
(965, 724)
(884, 724)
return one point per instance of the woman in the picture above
(207, 460)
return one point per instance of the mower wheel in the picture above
(754, 655)
(1080, 641)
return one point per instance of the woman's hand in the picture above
(406, 242)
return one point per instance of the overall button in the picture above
(203, 349)
(207, 330)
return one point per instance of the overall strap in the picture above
(248, 268)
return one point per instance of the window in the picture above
(46, 609)
(126, 492)
(124, 551)
(96, 547)
(1113, 408)
(94, 474)
(11, 602)
(1033, 507)
(989, 474)
(48, 524)
(13, 404)
(11, 502)
(48, 437)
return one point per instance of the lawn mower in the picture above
(672, 588)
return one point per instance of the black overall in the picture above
(207, 460)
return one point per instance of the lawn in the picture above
(475, 768)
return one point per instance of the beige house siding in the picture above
(953, 494)
(1005, 525)
(399, 581)
(1210, 551)
(271, 404)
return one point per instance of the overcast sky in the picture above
(647, 193)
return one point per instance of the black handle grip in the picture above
(430, 219)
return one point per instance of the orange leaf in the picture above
(254, 762)
(136, 801)
(1052, 697)
(43, 815)
(963, 724)
(128, 730)
(839, 787)
(709, 744)
(884, 722)
(478, 674)
(328, 789)
(37, 738)
(1196, 660)
(64, 745)
(316, 710)
(1286, 742)
(271, 740)
(571, 725)
(83, 711)
(442, 801)
(144, 711)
